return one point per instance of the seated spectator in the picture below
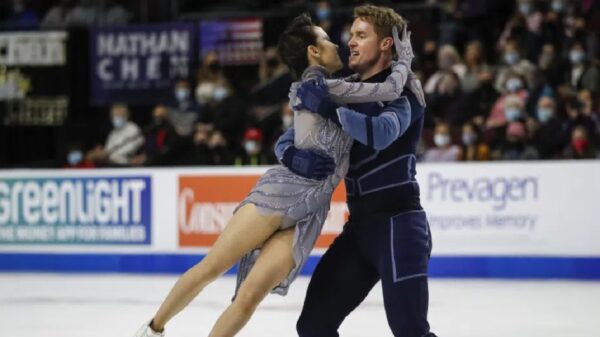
(515, 146)
(524, 28)
(477, 70)
(581, 73)
(444, 150)
(212, 83)
(510, 106)
(549, 137)
(162, 141)
(183, 111)
(448, 61)
(473, 147)
(551, 69)
(75, 158)
(577, 117)
(123, 141)
(580, 146)
(514, 64)
(444, 102)
(274, 80)
(209, 147)
(252, 153)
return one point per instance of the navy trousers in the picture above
(393, 248)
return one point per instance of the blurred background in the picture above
(505, 80)
(130, 130)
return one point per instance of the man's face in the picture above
(364, 46)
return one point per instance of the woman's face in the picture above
(328, 52)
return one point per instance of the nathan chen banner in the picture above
(82, 210)
(138, 64)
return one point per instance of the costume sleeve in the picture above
(379, 131)
(344, 92)
(285, 140)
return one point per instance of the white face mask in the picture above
(220, 93)
(118, 122)
(287, 121)
(74, 157)
(514, 85)
(251, 147)
(205, 92)
(441, 139)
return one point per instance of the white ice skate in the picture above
(146, 331)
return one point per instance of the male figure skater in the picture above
(387, 237)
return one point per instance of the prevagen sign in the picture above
(497, 191)
(83, 210)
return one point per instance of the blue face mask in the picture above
(182, 94)
(220, 93)
(118, 122)
(525, 8)
(576, 56)
(469, 138)
(512, 114)
(74, 157)
(514, 85)
(558, 6)
(323, 14)
(511, 58)
(544, 114)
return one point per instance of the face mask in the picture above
(525, 8)
(441, 139)
(118, 122)
(544, 114)
(580, 144)
(469, 138)
(182, 94)
(514, 85)
(250, 147)
(511, 58)
(512, 114)
(74, 157)
(287, 121)
(576, 56)
(558, 6)
(219, 94)
(323, 14)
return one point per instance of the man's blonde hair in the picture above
(382, 19)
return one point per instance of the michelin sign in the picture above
(81, 210)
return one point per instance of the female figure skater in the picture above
(277, 225)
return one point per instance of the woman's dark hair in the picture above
(294, 42)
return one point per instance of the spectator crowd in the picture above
(522, 88)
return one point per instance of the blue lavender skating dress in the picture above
(304, 202)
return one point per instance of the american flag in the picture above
(237, 41)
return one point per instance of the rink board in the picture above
(500, 220)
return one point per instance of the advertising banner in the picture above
(33, 78)
(512, 208)
(206, 203)
(82, 210)
(138, 64)
(236, 41)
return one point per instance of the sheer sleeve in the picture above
(345, 92)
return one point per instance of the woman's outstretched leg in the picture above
(272, 266)
(246, 230)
